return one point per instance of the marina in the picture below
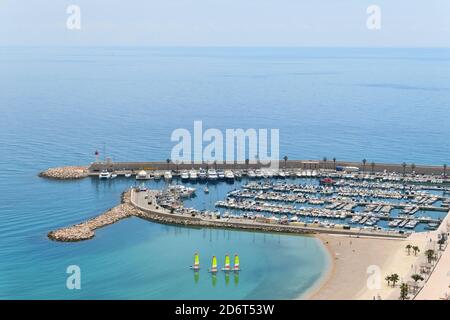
(345, 199)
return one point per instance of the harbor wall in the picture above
(290, 164)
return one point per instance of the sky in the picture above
(404, 23)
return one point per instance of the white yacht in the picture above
(127, 175)
(202, 174)
(157, 175)
(168, 175)
(251, 174)
(193, 175)
(229, 175)
(113, 175)
(184, 175)
(220, 174)
(104, 175)
(212, 174)
(142, 175)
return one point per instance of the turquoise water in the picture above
(58, 105)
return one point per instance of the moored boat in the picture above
(104, 175)
(184, 175)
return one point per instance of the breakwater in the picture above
(121, 168)
(96, 167)
(66, 173)
(85, 230)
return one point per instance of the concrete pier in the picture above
(96, 167)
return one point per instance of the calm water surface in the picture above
(58, 105)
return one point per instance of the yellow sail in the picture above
(227, 262)
(236, 262)
(214, 263)
(196, 261)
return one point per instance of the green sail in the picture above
(227, 262)
(214, 263)
(196, 260)
(236, 262)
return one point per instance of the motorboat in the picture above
(220, 174)
(184, 175)
(229, 176)
(157, 175)
(168, 175)
(212, 174)
(193, 175)
(142, 175)
(202, 174)
(104, 175)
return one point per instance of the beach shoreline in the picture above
(326, 275)
(355, 261)
(351, 258)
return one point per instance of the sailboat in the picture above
(196, 265)
(236, 267)
(213, 265)
(227, 266)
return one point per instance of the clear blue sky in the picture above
(415, 23)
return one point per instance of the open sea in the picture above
(59, 105)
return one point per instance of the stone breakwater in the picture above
(65, 173)
(85, 230)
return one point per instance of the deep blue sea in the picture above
(59, 105)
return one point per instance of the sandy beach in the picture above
(360, 265)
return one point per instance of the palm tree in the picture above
(372, 165)
(168, 163)
(364, 161)
(394, 278)
(409, 247)
(416, 277)
(404, 168)
(404, 291)
(430, 255)
(388, 279)
(445, 169)
(247, 161)
(416, 249)
(285, 158)
(325, 162)
(215, 165)
(334, 163)
(440, 242)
